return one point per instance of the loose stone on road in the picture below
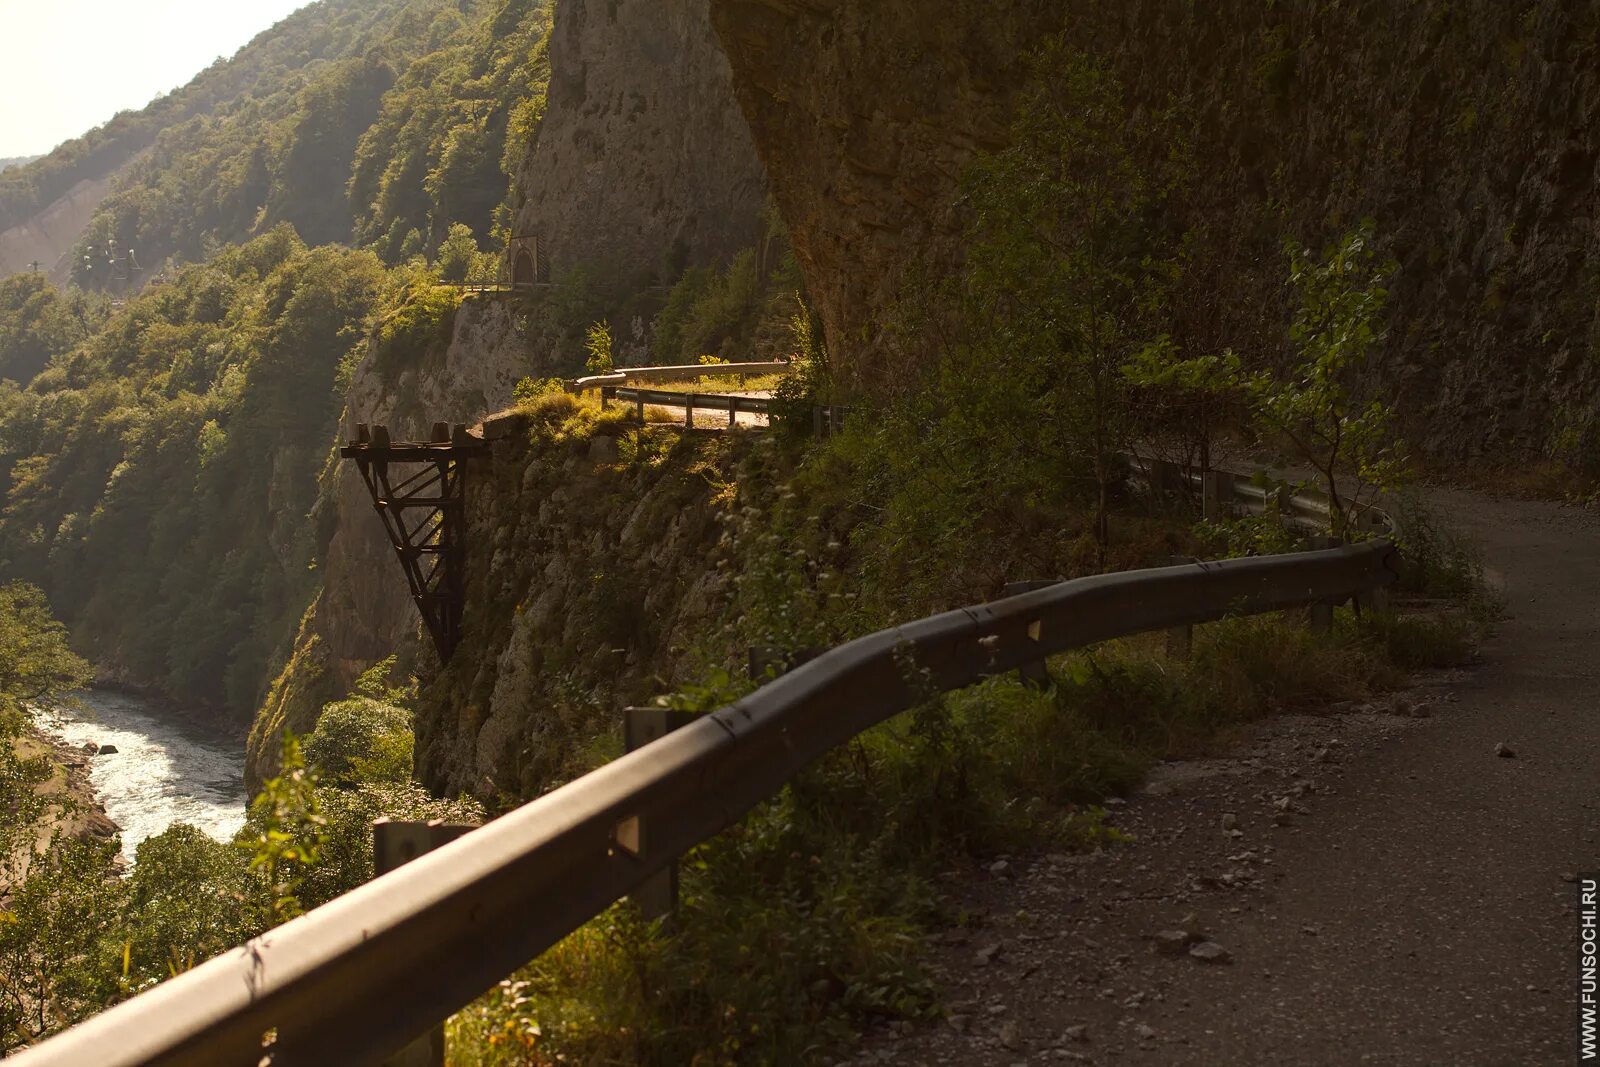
(1391, 885)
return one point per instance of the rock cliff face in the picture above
(587, 579)
(643, 164)
(364, 611)
(1467, 131)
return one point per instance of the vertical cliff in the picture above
(363, 612)
(1467, 131)
(591, 570)
(643, 163)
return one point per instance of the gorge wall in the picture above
(644, 164)
(591, 571)
(1467, 131)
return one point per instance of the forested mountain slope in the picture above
(159, 477)
(324, 31)
(356, 121)
(390, 138)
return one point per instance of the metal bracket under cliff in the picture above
(424, 515)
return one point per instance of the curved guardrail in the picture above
(355, 980)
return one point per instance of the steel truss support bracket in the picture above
(417, 489)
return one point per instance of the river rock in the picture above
(106, 750)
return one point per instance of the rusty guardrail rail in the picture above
(358, 978)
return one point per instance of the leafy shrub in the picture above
(360, 740)
(599, 346)
(189, 898)
(461, 261)
(530, 390)
(345, 857)
(420, 327)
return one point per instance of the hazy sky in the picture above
(66, 66)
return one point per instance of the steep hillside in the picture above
(374, 122)
(1465, 131)
(158, 477)
(49, 236)
(427, 87)
(319, 33)
(16, 161)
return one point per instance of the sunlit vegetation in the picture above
(381, 124)
(158, 476)
(76, 936)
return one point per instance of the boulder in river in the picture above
(91, 748)
(107, 750)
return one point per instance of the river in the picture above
(165, 770)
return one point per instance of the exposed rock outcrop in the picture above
(587, 580)
(364, 612)
(643, 164)
(1468, 132)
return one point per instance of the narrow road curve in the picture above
(1417, 910)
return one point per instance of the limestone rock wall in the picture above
(1466, 130)
(587, 578)
(364, 612)
(643, 164)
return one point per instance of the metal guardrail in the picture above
(731, 404)
(501, 288)
(357, 979)
(693, 372)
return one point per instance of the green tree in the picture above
(361, 740)
(285, 832)
(598, 345)
(1068, 262)
(38, 322)
(58, 960)
(1314, 405)
(189, 898)
(459, 258)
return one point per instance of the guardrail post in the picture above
(1376, 599)
(657, 896)
(1035, 673)
(1319, 616)
(816, 421)
(606, 393)
(395, 844)
(640, 401)
(1217, 492)
(688, 411)
(1180, 639)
